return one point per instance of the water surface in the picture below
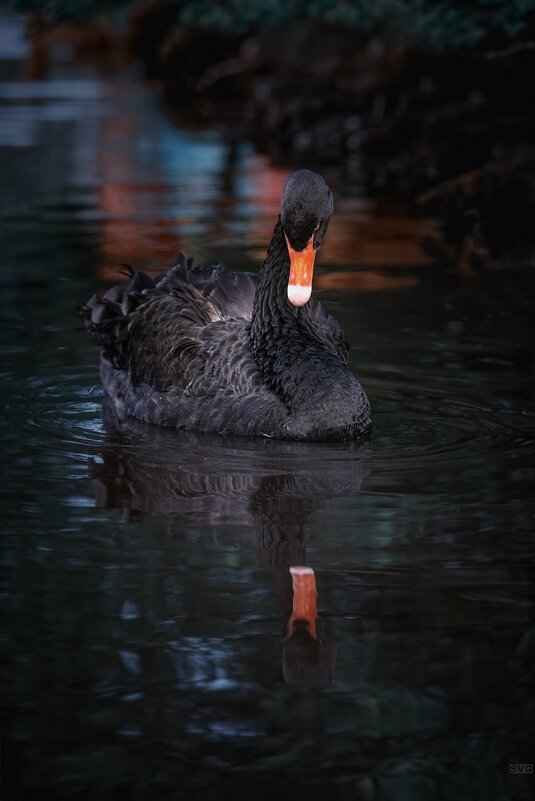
(146, 572)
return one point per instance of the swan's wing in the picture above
(169, 333)
(187, 348)
(164, 337)
(230, 292)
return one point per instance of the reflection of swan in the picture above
(268, 485)
(201, 349)
(267, 489)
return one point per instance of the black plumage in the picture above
(202, 348)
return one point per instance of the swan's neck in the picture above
(280, 334)
(271, 306)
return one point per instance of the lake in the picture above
(146, 573)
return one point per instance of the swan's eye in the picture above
(316, 226)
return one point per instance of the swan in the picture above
(206, 349)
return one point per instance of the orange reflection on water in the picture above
(358, 236)
(268, 185)
(364, 280)
(133, 226)
(127, 236)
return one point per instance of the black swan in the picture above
(202, 349)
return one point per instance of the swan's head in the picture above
(306, 208)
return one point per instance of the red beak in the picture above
(301, 272)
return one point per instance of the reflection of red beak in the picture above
(301, 271)
(305, 597)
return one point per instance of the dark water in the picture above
(146, 587)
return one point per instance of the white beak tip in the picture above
(299, 295)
